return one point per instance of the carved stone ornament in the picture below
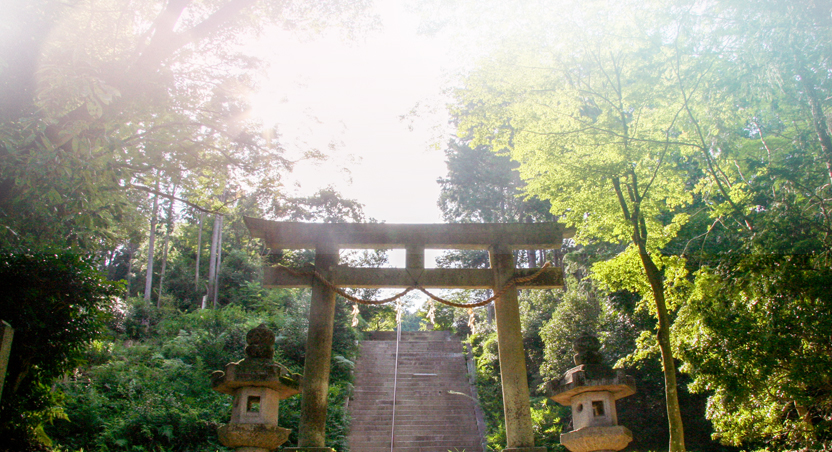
(260, 343)
(587, 349)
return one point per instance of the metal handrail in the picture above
(395, 385)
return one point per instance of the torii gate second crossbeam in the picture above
(327, 239)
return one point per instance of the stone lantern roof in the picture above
(257, 368)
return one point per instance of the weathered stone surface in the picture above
(430, 278)
(289, 235)
(591, 389)
(260, 343)
(256, 372)
(576, 382)
(593, 409)
(257, 369)
(587, 350)
(312, 422)
(435, 407)
(516, 404)
(327, 239)
(255, 405)
(590, 439)
(252, 435)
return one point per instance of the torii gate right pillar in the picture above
(516, 405)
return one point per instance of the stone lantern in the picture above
(591, 389)
(257, 384)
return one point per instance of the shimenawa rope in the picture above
(508, 285)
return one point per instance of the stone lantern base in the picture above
(590, 439)
(252, 437)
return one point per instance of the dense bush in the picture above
(57, 302)
(147, 389)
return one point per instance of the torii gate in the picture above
(327, 239)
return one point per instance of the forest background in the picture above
(687, 142)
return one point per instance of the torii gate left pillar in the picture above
(328, 239)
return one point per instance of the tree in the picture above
(765, 260)
(594, 132)
(482, 187)
(57, 302)
(152, 89)
(696, 132)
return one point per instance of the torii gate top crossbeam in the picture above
(415, 238)
(517, 236)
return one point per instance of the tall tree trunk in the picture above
(655, 278)
(219, 265)
(818, 116)
(532, 256)
(212, 257)
(148, 280)
(132, 251)
(674, 413)
(168, 229)
(198, 251)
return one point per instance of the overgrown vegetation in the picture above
(689, 145)
(687, 142)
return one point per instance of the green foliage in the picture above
(577, 312)
(489, 390)
(482, 187)
(547, 425)
(755, 335)
(698, 133)
(58, 303)
(149, 389)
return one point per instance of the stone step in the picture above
(424, 404)
(369, 428)
(434, 446)
(370, 361)
(428, 418)
(411, 441)
(421, 336)
(404, 414)
(386, 448)
(443, 445)
(427, 383)
(385, 348)
(414, 386)
(402, 426)
(385, 361)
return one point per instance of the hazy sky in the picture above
(347, 99)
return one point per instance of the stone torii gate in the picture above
(327, 239)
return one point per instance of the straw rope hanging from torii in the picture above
(416, 286)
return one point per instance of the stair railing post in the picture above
(315, 386)
(516, 404)
(395, 385)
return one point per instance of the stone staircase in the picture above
(428, 418)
